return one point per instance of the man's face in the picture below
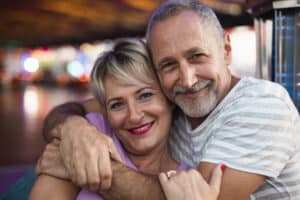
(191, 61)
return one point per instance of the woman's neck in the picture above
(155, 161)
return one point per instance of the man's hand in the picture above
(51, 163)
(86, 154)
(190, 184)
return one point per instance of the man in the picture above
(250, 125)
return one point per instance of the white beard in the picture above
(197, 107)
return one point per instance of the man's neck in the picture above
(195, 122)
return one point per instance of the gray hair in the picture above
(128, 62)
(175, 7)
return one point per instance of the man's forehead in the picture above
(188, 23)
(183, 41)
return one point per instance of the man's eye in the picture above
(145, 95)
(194, 56)
(197, 56)
(167, 66)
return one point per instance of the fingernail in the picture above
(223, 167)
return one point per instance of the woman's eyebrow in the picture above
(113, 99)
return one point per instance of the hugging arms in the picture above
(248, 124)
(135, 124)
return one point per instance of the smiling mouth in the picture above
(198, 87)
(194, 93)
(141, 130)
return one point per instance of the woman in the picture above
(137, 118)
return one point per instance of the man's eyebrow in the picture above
(194, 50)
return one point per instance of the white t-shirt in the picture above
(256, 128)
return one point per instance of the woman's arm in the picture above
(47, 187)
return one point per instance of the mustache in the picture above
(196, 87)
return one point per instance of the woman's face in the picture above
(139, 114)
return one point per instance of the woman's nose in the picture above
(135, 114)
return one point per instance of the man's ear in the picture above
(227, 49)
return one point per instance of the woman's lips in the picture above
(140, 130)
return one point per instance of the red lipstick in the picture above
(141, 130)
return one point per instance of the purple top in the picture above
(102, 125)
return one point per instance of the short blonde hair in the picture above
(128, 62)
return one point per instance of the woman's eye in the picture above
(146, 95)
(115, 106)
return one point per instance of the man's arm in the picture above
(57, 116)
(130, 185)
(85, 152)
(60, 113)
(126, 183)
(235, 184)
(82, 150)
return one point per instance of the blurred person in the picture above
(250, 125)
(137, 119)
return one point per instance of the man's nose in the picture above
(187, 75)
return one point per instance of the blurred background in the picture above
(47, 49)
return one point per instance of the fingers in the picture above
(175, 185)
(167, 185)
(38, 167)
(216, 178)
(80, 174)
(170, 173)
(51, 162)
(55, 142)
(93, 179)
(87, 154)
(105, 170)
(163, 178)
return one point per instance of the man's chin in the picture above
(196, 114)
(196, 109)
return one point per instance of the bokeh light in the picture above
(31, 64)
(75, 69)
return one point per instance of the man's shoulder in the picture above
(252, 91)
(255, 97)
(259, 87)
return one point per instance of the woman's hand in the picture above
(190, 185)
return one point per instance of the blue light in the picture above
(75, 69)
